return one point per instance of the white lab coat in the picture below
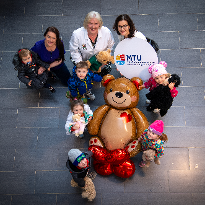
(81, 48)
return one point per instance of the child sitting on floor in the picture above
(31, 70)
(153, 138)
(77, 107)
(80, 83)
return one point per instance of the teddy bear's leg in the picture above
(147, 163)
(95, 141)
(133, 148)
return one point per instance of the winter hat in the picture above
(75, 156)
(157, 127)
(158, 69)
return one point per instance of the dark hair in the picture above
(129, 21)
(76, 102)
(59, 43)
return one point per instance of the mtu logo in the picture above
(120, 59)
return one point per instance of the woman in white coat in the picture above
(90, 39)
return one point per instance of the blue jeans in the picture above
(62, 73)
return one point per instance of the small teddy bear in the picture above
(102, 58)
(77, 119)
(147, 157)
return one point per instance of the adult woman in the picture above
(125, 28)
(90, 39)
(51, 50)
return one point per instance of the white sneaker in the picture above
(90, 95)
(156, 110)
(148, 101)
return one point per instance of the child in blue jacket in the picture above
(80, 83)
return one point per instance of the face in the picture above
(83, 163)
(160, 79)
(123, 28)
(78, 109)
(93, 26)
(26, 59)
(81, 73)
(152, 136)
(50, 39)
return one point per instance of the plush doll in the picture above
(161, 98)
(102, 58)
(114, 127)
(77, 119)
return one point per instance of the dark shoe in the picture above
(81, 136)
(52, 89)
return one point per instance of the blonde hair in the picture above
(24, 53)
(82, 64)
(91, 15)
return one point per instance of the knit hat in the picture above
(75, 156)
(157, 127)
(158, 69)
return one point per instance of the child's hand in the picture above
(90, 118)
(171, 86)
(76, 126)
(29, 83)
(41, 70)
(141, 86)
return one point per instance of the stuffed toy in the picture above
(77, 119)
(148, 156)
(114, 126)
(102, 58)
(89, 190)
(161, 97)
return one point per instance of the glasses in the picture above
(124, 26)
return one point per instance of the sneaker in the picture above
(148, 101)
(156, 110)
(90, 95)
(52, 89)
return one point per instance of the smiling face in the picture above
(50, 39)
(78, 109)
(160, 79)
(81, 72)
(121, 94)
(93, 26)
(123, 28)
(83, 163)
(152, 136)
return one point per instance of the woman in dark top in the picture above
(51, 50)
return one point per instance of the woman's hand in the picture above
(55, 63)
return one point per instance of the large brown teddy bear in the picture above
(116, 126)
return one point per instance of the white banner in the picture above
(133, 56)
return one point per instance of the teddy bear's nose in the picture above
(118, 94)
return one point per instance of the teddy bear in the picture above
(148, 156)
(89, 191)
(113, 127)
(102, 58)
(161, 98)
(77, 119)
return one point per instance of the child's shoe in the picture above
(90, 95)
(148, 101)
(156, 110)
(52, 89)
(81, 136)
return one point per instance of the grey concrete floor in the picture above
(34, 146)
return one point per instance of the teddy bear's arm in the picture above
(141, 121)
(94, 124)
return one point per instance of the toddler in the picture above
(80, 83)
(79, 165)
(77, 107)
(31, 70)
(153, 138)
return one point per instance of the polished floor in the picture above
(34, 146)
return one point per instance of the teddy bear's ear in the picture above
(108, 50)
(106, 79)
(138, 82)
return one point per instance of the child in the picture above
(162, 96)
(79, 165)
(80, 83)
(31, 70)
(153, 138)
(77, 107)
